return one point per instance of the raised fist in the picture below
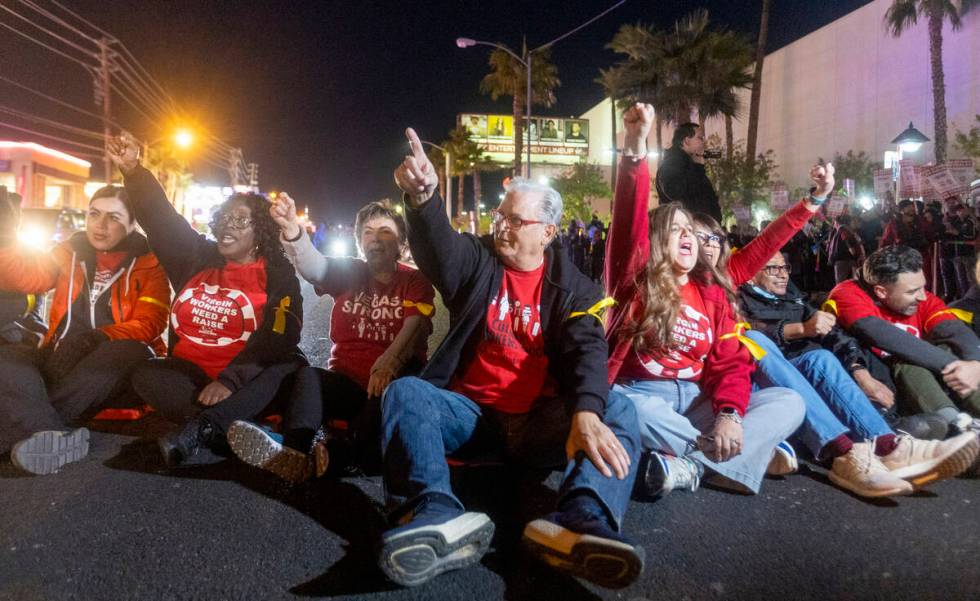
(283, 212)
(416, 176)
(637, 121)
(823, 179)
(124, 151)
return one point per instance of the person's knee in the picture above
(409, 396)
(621, 413)
(147, 375)
(821, 358)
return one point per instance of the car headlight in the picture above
(34, 237)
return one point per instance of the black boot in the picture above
(924, 426)
(191, 445)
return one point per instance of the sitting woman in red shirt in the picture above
(235, 320)
(674, 347)
(378, 328)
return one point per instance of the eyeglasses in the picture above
(774, 270)
(235, 222)
(707, 239)
(513, 221)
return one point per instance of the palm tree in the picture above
(686, 68)
(760, 57)
(465, 155)
(904, 14)
(507, 77)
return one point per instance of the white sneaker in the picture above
(922, 462)
(48, 451)
(783, 460)
(665, 473)
(861, 472)
(965, 422)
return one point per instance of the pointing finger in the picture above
(416, 144)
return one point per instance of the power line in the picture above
(139, 94)
(50, 123)
(83, 20)
(131, 103)
(52, 49)
(44, 12)
(53, 99)
(44, 135)
(49, 32)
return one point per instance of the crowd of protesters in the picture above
(639, 358)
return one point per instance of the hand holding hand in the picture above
(124, 151)
(600, 445)
(637, 121)
(724, 441)
(213, 393)
(416, 176)
(283, 212)
(962, 376)
(819, 324)
(823, 179)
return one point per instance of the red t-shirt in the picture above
(693, 336)
(510, 369)
(850, 303)
(216, 313)
(367, 314)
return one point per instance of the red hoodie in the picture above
(726, 377)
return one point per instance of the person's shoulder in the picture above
(849, 291)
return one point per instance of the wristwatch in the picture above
(729, 413)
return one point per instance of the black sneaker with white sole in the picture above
(587, 548)
(439, 537)
(48, 451)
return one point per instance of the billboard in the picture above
(552, 139)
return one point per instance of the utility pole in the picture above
(103, 84)
(253, 176)
(234, 161)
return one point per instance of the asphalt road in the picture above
(119, 526)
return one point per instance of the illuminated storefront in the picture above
(43, 177)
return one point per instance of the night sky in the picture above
(319, 93)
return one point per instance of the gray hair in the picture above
(551, 203)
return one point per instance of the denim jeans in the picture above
(835, 404)
(422, 424)
(672, 413)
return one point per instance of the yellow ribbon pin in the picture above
(595, 310)
(755, 350)
(279, 325)
(829, 306)
(31, 303)
(424, 308)
(965, 316)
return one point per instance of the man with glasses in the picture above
(521, 372)
(837, 388)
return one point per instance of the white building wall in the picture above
(849, 86)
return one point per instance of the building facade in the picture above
(43, 177)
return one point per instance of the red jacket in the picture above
(726, 378)
(140, 299)
(748, 260)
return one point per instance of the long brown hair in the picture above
(650, 325)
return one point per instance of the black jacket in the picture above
(467, 274)
(770, 315)
(682, 180)
(20, 319)
(184, 252)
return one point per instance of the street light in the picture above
(183, 138)
(448, 191)
(526, 62)
(909, 140)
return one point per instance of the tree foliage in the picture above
(578, 186)
(858, 167)
(969, 143)
(736, 177)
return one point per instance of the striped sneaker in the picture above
(47, 451)
(258, 448)
(923, 462)
(783, 460)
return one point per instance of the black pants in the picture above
(171, 386)
(319, 395)
(28, 404)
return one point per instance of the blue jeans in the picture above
(422, 424)
(835, 404)
(672, 413)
